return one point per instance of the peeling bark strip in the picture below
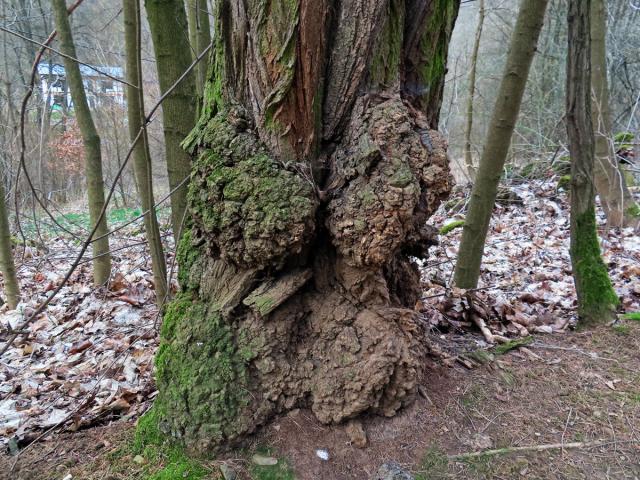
(317, 169)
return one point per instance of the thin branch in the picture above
(531, 448)
(101, 72)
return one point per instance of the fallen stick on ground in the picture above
(532, 448)
(488, 335)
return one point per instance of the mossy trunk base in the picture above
(262, 325)
(317, 167)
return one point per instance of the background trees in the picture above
(596, 298)
(168, 25)
(11, 286)
(91, 142)
(609, 179)
(141, 153)
(496, 146)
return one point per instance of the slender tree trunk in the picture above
(617, 202)
(141, 155)
(91, 141)
(505, 114)
(11, 286)
(468, 158)
(318, 167)
(168, 24)
(200, 37)
(596, 297)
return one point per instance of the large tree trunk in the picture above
(141, 154)
(318, 167)
(91, 143)
(610, 182)
(494, 155)
(168, 25)
(596, 297)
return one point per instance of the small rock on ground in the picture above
(356, 433)
(228, 473)
(264, 460)
(392, 471)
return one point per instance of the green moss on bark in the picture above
(157, 449)
(596, 297)
(385, 61)
(187, 255)
(201, 373)
(434, 70)
(249, 207)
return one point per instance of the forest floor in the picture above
(579, 387)
(72, 389)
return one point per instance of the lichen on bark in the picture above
(247, 206)
(200, 369)
(395, 173)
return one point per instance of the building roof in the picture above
(57, 69)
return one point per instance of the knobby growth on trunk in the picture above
(318, 165)
(596, 297)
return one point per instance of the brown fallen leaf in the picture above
(80, 346)
(118, 282)
(119, 405)
(131, 301)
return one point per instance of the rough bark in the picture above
(468, 158)
(503, 120)
(318, 167)
(141, 154)
(199, 37)
(168, 25)
(91, 142)
(611, 185)
(7, 267)
(596, 297)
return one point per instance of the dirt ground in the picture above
(582, 387)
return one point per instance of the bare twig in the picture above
(531, 448)
(45, 46)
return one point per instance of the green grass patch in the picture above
(634, 316)
(449, 227)
(434, 465)
(622, 329)
(511, 345)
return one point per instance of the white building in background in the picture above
(101, 90)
